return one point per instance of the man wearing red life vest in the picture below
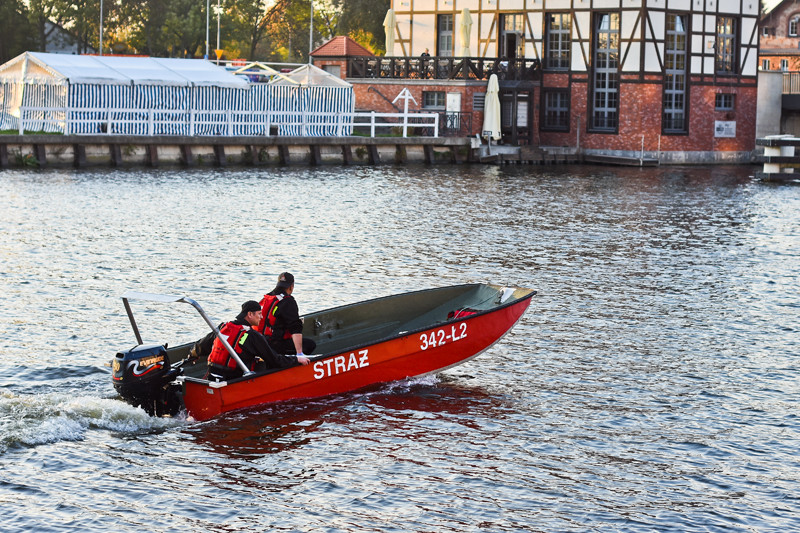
(281, 323)
(250, 345)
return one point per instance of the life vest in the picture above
(235, 334)
(461, 313)
(269, 310)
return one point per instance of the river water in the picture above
(651, 386)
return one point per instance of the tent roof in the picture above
(65, 68)
(310, 75)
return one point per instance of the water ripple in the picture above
(652, 386)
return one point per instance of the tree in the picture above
(40, 12)
(253, 22)
(363, 21)
(82, 18)
(16, 32)
(184, 28)
(161, 28)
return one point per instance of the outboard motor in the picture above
(144, 378)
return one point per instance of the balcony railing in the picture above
(791, 83)
(443, 68)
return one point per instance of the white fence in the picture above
(225, 123)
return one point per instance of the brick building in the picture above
(780, 37)
(670, 79)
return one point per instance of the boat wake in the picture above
(36, 419)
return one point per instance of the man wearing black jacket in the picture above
(281, 321)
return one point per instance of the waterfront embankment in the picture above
(152, 151)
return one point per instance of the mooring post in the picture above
(255, 155)
(283, 154)
(40, 152)
(347, 154)
(116, 154)
(219, 155)
(374, 156)
(315, 155)
(400, 154)
(186, 155)
(454, 154)
(429, 155)
(78, 155)
(152, 155)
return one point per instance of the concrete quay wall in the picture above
(112, 150)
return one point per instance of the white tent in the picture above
(164, 96)
(71, 69)
(309, 75)
(310, 90)
(130, 95)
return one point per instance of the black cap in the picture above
(285, 280)
(249, 306)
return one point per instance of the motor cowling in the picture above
(143, 377)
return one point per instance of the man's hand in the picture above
(303, 360)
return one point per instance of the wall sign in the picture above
(724, 128)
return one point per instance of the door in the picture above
(453, 111)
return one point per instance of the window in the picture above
(784, 65)
(674, 101)
(444, 29)
(765, 64)
(765, 31)
(556, 110)
(605, 75)
(335, 70)
(512, 29)
(793, 26)
(725, 60)
(433, 99)
(723, 102)
(558, 40)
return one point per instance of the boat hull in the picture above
(416, 353)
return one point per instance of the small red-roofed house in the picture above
(332, 56)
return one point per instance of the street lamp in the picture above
(310, 31)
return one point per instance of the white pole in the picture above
(208, 10)
(311, 32)
(219, 10)
(101, 27)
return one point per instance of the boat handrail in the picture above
(171, 298)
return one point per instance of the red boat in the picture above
(375, 341)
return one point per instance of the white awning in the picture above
(115, 70)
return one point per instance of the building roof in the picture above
(770, 52)
(116, 70)
(771, 6)
(340, 46)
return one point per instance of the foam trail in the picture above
(31, 420)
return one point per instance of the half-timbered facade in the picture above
(672, 78)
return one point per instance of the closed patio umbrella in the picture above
(388, 26)
(466, 29)
(491, 110)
